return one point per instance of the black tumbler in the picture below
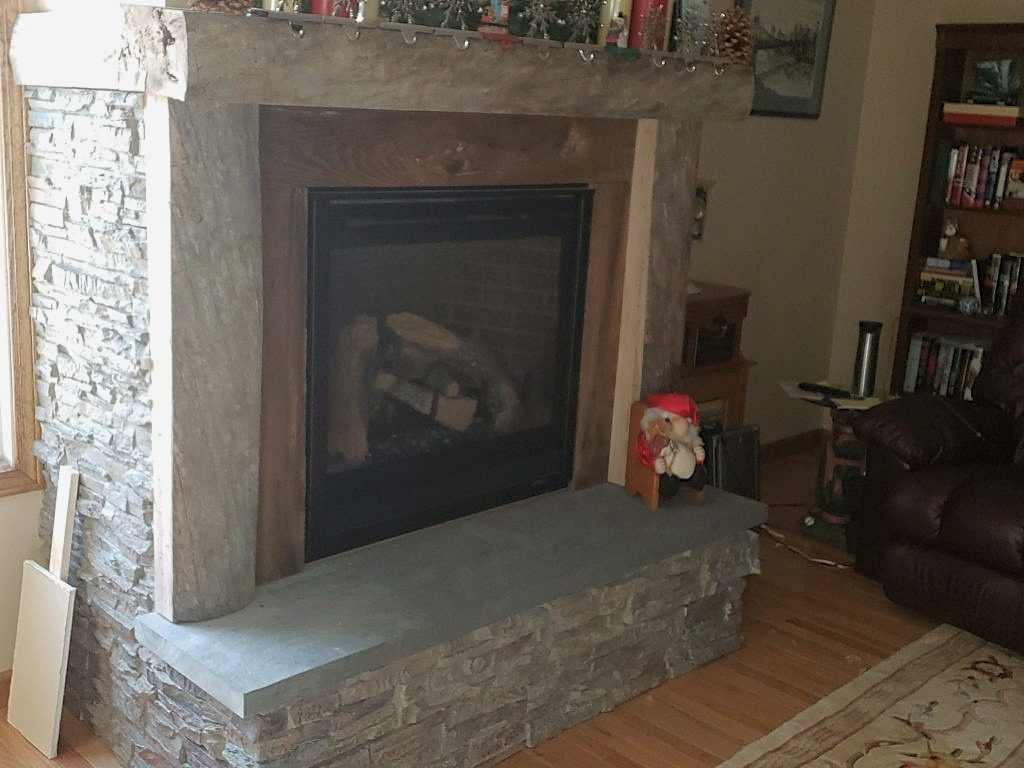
(867, 359)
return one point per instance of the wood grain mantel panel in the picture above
(318, 148)
(315, 148)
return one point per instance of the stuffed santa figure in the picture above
(670, 442)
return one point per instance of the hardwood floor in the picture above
(809, 629)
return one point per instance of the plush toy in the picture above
(669, 442)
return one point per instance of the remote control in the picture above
(823, 389)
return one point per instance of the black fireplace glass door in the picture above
(444, 344)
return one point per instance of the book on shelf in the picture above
(990, 115)
(944, 365)
(991, 283)
(971, 177)
(988, 194)
(1004, 169)
(1013, 197)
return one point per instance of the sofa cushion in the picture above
(914, 508)
(983, 521)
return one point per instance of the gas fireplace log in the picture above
(453, 412)
(469, 359)
(445, 380)
(352, 360)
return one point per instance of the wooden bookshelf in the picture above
(989, 230)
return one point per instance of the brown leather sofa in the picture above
(942, 521)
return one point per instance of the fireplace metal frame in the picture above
(356, 507)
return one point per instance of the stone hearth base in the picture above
(486, 695)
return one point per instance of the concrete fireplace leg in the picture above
(675, 180)
(206, 293)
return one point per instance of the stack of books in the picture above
(985, 177)
(942, 365)
(992, 115)
(943, 282)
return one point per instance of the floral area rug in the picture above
(948, 700)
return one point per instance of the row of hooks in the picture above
(463, 38)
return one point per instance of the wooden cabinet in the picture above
(988, 230)
(714, 368)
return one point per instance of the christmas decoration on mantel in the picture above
(735, 36)
(543, 24)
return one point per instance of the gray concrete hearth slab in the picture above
(305, 635)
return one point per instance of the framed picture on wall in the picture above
(790, 53)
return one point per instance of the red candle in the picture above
(322, 7)
(647, 28)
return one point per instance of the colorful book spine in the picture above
(984, 160)
(913, 363)
(1004, 168)
(954, 162)
(971, 177)
(957, 194)
(992, 177)
(990, 284)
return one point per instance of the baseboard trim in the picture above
(5, 687)
(794, 444)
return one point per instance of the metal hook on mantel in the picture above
(659, 61)
(587, 56)
(461, 42)
(297, 29)
(409, 36)
(352, 33)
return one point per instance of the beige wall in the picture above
(776, 225)
(888, 162)
(19, 521)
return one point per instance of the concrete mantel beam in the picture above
(222, 58)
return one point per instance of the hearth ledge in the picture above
(306, 635)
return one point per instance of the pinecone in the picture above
(238, 7)
(734, 33)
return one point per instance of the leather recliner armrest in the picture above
(923, 430)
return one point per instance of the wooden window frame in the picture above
(26, 473)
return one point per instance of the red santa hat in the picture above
(676, 404)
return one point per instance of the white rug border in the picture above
(842, 696)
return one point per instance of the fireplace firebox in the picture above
(444, 347)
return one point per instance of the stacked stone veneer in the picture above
(89, 305)
(465, 703)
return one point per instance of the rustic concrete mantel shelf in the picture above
(225, 59)
(305, 635)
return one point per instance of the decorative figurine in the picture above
(952, 244)
(670, 442)
(667, 452)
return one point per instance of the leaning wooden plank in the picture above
(41, 657)
(63, 522)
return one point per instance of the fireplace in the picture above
(443, 358)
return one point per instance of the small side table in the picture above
(842, 449)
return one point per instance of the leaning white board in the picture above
(41, 657)
(44, 632)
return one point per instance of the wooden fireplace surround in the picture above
(301, 148)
